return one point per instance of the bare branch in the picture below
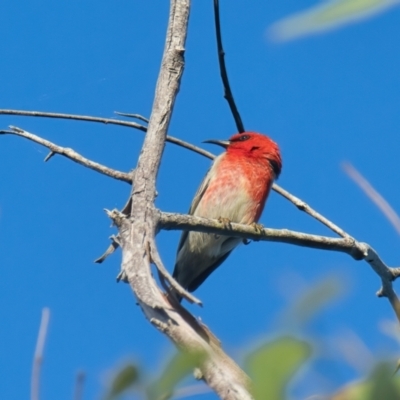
(387, 276)
(110, 250)
(224, 75)
(156, 259)
(109, 121)
(38, 358)
(71, 154)
(375, 196)
(137, 233)
(74, 117)
(347, 244)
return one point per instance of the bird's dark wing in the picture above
(206, 273)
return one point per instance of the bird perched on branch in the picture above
(234, 189)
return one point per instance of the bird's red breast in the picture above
(241, 178)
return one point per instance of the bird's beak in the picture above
(222, 143)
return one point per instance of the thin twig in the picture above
(374, 195)
(110, 250)
(156, 259)
(302, 206)
(109, 121)
(38, 358)
(137, 116)
(74, 117)
(224, 75)
(71, 154)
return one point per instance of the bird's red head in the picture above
(254, 145)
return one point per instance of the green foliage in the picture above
(380, 385)
(272, 366)
(125, 379)
(177, 369)
(328, 15)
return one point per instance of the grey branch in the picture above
(76, 117)
(347, 244)
(71, 154)
(107, 121)
(156, 259)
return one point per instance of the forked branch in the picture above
(347, 244)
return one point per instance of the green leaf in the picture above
(383, 384)
(328, 15)
(125, 379)
(181, 365)
(273, 365)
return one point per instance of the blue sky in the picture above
(325, 99)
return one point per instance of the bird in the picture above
(234, 189)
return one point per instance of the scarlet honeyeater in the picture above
(235, 188)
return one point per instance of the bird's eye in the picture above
(242, 138)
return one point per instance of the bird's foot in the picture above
(226, 222)
(246, 242)
(257, 227)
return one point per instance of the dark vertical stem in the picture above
(224, 75)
